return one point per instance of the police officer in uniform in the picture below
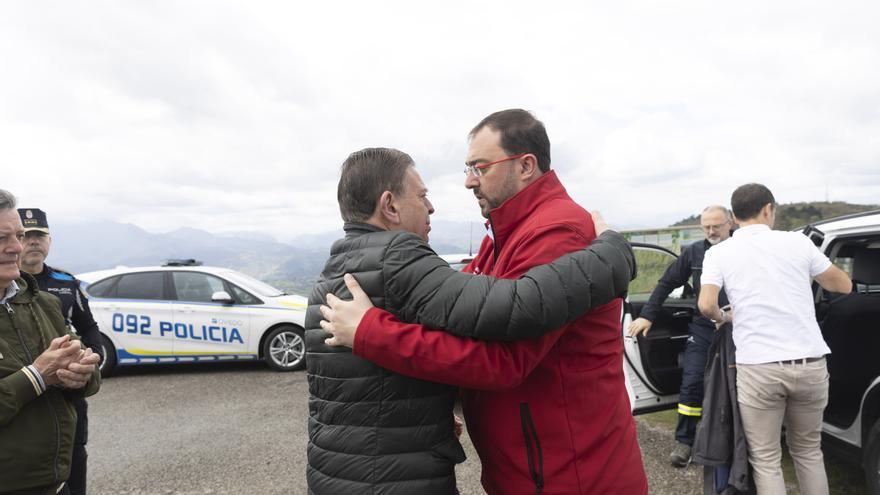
(717, 223)
(75, 308)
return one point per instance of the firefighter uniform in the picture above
(688, 266)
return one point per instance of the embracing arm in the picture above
(416, 351)
(421, 287)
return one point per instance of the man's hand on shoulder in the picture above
(341, 318)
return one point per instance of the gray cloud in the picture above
(229, 117)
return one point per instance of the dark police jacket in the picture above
(74, 304)
(688, 266)
(375, 431)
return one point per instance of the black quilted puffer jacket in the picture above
(372, 431)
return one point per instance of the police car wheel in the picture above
(284, 348)
(109, 362)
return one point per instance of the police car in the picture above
(184, 312)
(849, 325)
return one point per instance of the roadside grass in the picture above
(843, 477)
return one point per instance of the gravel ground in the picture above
(241, 428)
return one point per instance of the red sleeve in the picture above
(413, 350)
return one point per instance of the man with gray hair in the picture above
(716, 222)
(43, 368)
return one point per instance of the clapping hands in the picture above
(66, 363)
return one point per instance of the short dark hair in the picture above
(520, 132)
(748, 200)
(366, 174)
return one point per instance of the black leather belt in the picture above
(801, 361)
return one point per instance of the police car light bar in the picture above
(182, 262)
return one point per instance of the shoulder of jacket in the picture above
(402, 237)
(559, 227)
(59, 274)
(694, 248)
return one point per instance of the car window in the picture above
(845, 264)
(196, 286)
(243, 296)
(253, 284)
(103, 288)
(147, 285)
(652, 263)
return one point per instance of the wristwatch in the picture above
(723, 318)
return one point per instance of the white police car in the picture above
(184, 312)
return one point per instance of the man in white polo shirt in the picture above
(780, 355)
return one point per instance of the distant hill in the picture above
(294, 266)
(791, 215)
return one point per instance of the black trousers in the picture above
(76, 483)
(690, 399)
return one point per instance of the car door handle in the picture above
(682, 314)
(186, 309)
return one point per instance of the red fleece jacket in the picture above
(549, 415)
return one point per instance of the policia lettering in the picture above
(141, 324)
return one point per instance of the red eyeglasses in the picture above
(477, 169)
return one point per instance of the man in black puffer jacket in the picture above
(374, 431)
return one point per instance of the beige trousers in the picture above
(794, 394)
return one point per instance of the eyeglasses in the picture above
(707, 228)
(477, 169)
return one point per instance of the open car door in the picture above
(653, 362)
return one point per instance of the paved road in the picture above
(240, 428)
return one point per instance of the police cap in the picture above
(34, 219)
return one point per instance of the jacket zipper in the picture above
(494, 242)
(530, 435)
(27, 352)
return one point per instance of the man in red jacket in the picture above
(549, 415)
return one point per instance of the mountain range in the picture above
(293, 266)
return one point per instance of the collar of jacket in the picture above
(507, 217)
(354, 229)
(27, 289)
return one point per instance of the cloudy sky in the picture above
(235, 116)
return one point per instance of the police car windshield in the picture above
(253, 284)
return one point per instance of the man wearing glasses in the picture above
(558, 420)
(716, 222)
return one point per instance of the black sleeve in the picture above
(676, 275)
(420, 287)
(85, 325)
